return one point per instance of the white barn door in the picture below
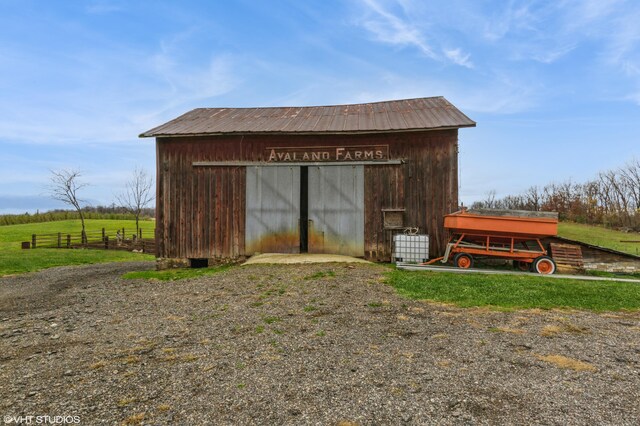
(272, 210)
(336, 210)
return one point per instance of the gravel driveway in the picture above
(300, 344)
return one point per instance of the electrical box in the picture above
(393, 218)
(410, 248)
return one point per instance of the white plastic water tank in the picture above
(410, 248)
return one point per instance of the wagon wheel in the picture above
(463, 260)
(544, 265)
(522, 265)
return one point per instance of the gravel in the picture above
(300, 344)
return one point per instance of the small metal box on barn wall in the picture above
(393, 218)
(410, 248)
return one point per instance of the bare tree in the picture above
(630, 175)
(612, 198)
(64, 187)
(533, 198)
(138, 194)
(490, 200)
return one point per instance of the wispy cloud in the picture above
(511, 17)
(635, 97)
(502, 94)
(394, 29)
(458, 57)
(624, 43)
(586, 12)
(130, 92)
(612, 25)
(552, 54)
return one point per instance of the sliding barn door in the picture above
(272, 210)
(336, 210)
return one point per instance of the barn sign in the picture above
(327, 153)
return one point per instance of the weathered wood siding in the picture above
(201, 210)
(426, 185)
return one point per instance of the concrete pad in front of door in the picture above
(285, 258)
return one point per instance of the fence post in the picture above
(59, 239)
(123, 233)
(140, 233)
(106, 242)
(68, 240)
(33, 241)
(103, 234)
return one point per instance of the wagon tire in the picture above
(522, 265)
(463, 260)
(544, 265)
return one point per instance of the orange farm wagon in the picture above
(504, 234)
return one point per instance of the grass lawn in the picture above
(14, 260)
(600, 236)
(515, 292)
(17, 233)
(175, 274)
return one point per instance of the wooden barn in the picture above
(340, 179)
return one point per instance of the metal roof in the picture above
(377, 117)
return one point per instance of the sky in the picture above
(554, 86)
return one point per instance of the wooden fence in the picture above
(103, 239)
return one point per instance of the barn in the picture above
(343, 179)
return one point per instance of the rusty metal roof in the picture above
(377, 117)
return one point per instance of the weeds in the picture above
(134, 419)
(98, 365)
(320, 274)
(126, 401)
(561, 361)
(271, 320)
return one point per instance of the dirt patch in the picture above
(279, 258)
(300, 344)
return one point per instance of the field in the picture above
(600, 236)
(14, 260)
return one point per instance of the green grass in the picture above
(606, 274)
(320, 274)
(175, 274)
(15, 219)
(17, 262)
(14, 260)
(14, 234)
(515, 292)
(271, 320)
(600, 236)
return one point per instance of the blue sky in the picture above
(553, 85)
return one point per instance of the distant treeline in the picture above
(98, 212)
(611, 199)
